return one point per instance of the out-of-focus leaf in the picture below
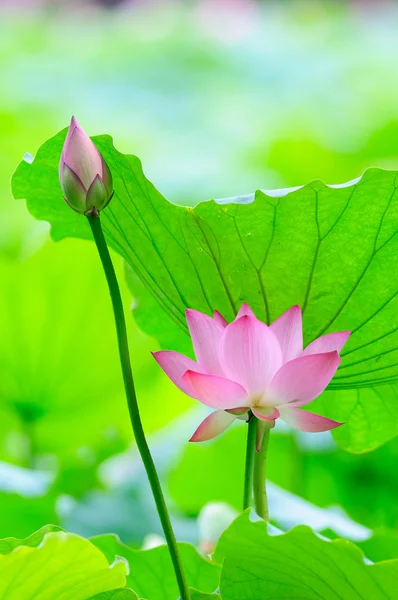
(319, 476)
(151, 571)
(64, 566)
(60, 367)
(101, 511)
(27, 501)
(191, 486)
(298, 564)
(383, 545)
(324, 248)
(127, 490)
(20, 515)
(58, 373)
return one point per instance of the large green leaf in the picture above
(151, 571)
(333, 251)
(64, 566)
(298, 564)
(7, 545)
(195, 595)
(371, 414)
(124, 594)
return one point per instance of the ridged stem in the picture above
(250, 452)
(135, 418)
(260, 474)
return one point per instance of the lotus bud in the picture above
(85, 178)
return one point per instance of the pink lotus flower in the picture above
(83, 174)
(248, 365)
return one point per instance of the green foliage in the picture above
(322, 474)
(383, 545)
(20, 515)
(314, 238)
(57, 385)
(254, 564)
(192, 486)
(151, 571)
(151, 87)
(195, 595)
(125, 594)
(7, 545)
(334, 247)
(370, 412)
(298, 564)
(69, 375)
(63, 566)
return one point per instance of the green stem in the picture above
(260, 471)
(135, 418)
(250, 452)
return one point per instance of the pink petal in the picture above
(72, 127)
(220, 319)
(288, 328)
(328, 343)
(206, 334)
(214, 391)
(266, 413)
(238, 412)
(307, 421)
(302, 379)
(250, 353)
(213, 425)
(245, 311)
(175, 365)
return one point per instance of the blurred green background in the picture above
(218, 98)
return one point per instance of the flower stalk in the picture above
(95, 224)
(250, 453)
(259, 476)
